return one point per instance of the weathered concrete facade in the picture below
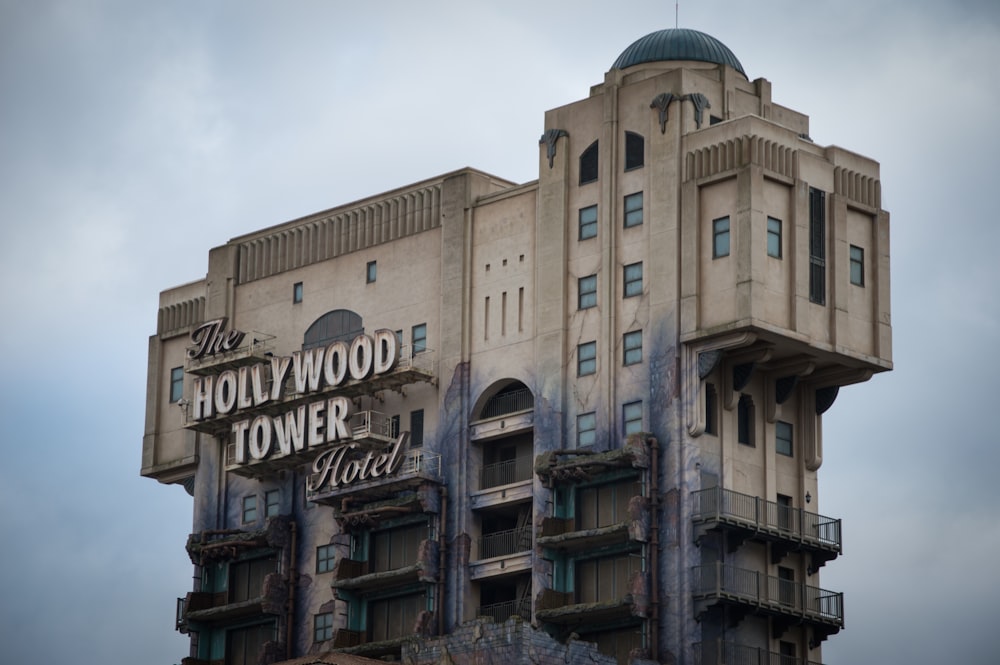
(612, 380)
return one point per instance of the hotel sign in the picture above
(315, 424)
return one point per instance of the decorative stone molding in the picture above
(660, 103)
(549, 138)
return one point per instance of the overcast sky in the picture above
(135, 136)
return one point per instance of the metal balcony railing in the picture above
(716, 504)
(731, 653)
(772, 594)
(502, 543)
(500, 612)
(506, 472)
(510, 402)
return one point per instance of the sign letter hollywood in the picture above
(309, 425)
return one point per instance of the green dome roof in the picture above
(677, 44)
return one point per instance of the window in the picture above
(783, 438)
(711, 409)
(323, 627)
(588, 164)
(784, 511)
(418, 338)
(371, 271)
(416, 428)
(246, 577)
(297, 292)
(394, 426)
(586, 358)
(588, 222)
(338, 324)
(632, 348)
(633, 209)
(786, 585)
(243, 644)
(633, 280)
(587, 296)
(635, 148)
(176, 384)
(586, 429)
(396, 548)
(774, 237)
(390, 618)
(326, 557)
(632, 417)
(271, 503)
(250, 509)
(857, 266)
(603, 505)
(817, 246)
(744, 421)
(606, 578)
(720, 237)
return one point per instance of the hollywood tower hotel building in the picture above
(572, 420)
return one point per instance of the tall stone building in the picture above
(575, 419)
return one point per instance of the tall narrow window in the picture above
(711, 409)
(784, 511)
(720, 237)
(250, 509)
(633, 280)
(586, 429)
(633, 209)
(586, 358)
(857, 266)
(635, 148)
(416, 428)
(744, 421)
(272, 503)
(176, 384)
(588, 164)
(587, 296)
(371, 272)
(774, 237)
(418, 338)
(632, 417)
(783, 438)
(817, 246)
(297, 292)
(632, 348)
(394, 426)
(588, 222)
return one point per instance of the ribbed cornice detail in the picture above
(344, 231)
(857, 187)
(180, 315)
(738, 152)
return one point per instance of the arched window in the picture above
(635, 151)
(339, 324)
(588, 164)
(512, 398)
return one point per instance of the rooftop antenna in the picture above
(677, 12)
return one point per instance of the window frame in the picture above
(586, 358)
(632, 215)
(587, 228)
(635, 148)
(248, 508)
(323, 622)
(297, 293)
(586, 299)
(856, 257)
(632, 348)
(745, 421)
(774, 236)
(586, 429)
(632, 424)
(416, 433)
(631, 285)
(784, 445)
(418, 342)
(326, 558)
(371, 272)
(176, 384)
(589, 164)
(718, 233)
(272, 499)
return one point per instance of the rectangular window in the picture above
(246, 577)
(588, 222)
(418, 338)
(396, 548)
(774, 237)
(817, 246)
(243, 644)
(720, 237)
(176, 384)
(633, 209)
(272, 503)
(603, 505)
(857, 266)
(632, 417)
(784, 512)
(586, 358)
(391, 618)
(786, 585)
(744, 421)
(605, 579)
(633, 280)
(783, 438)
(635, 148)
(250, 509)
(632, 348)
(586, 429)
(323, 627)
(297, 292)
(587, 292)
(416, 428)
(371, 272)
(326, 557)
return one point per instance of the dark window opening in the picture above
(339, 324)
(817, 246)
(416, 428)
(711, 409)
(588, 164)
(783, 438)
(635, 149)
(745, 421)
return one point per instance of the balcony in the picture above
(560, 608)
(369, 429)
(575, 466)
(254, 349)
(500, 612)
(503, 543)
(416, 468)
(354, 574)
(749, 591)
(214, 608)
(742, 517)
(731, 653)
(506, 472)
